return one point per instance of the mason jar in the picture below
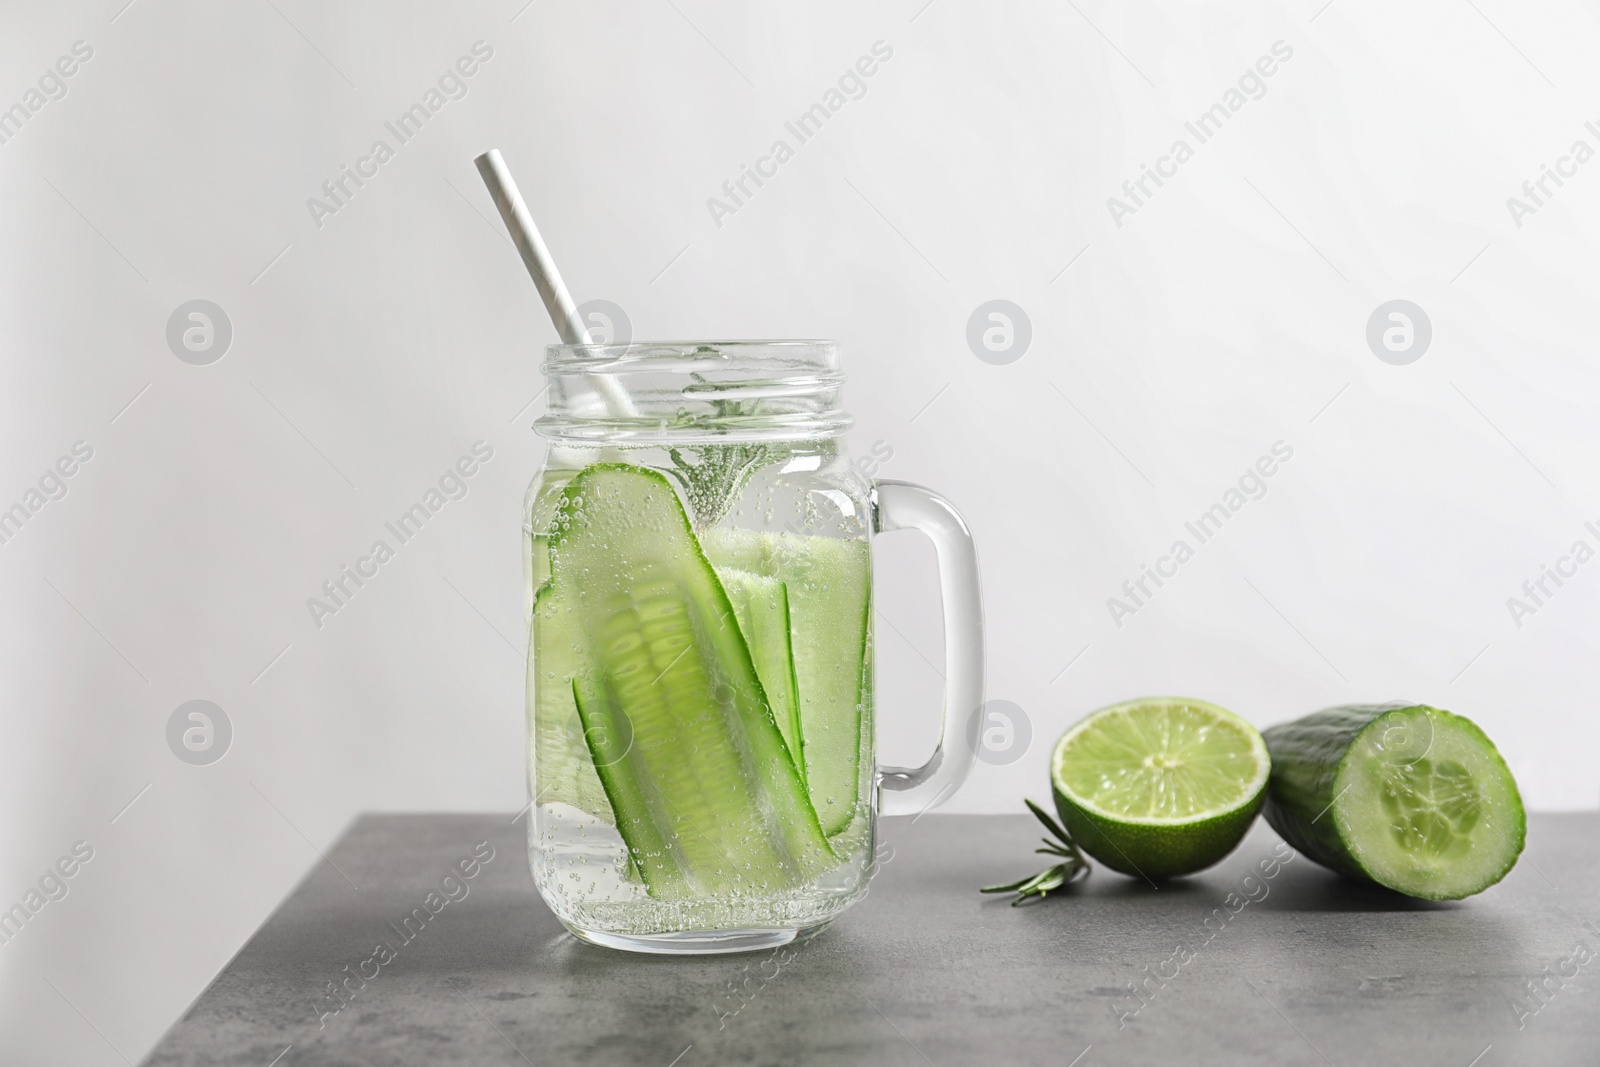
(700, 688)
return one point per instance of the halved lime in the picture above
(1159, 786)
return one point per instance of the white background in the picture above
(1227, 314)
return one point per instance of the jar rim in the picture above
(712, 342)
(562, 355)
(779, 387)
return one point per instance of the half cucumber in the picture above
(1405, 795)
(680, 730)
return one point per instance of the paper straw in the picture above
(546, 278)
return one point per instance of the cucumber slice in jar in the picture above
(1405, 795)
(829, 582)
(563, 768)
(762, 607)
(703, 789)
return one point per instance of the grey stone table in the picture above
(1297, 967)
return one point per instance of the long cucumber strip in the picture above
(563, 768)
(662, 745)
(762, 606)
(1409, 796)
(652, 857)
(674, 713)
(560, 766)
(829, 582)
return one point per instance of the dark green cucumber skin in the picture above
(1306, 755)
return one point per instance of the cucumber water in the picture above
(667, 706)
(1405, 795)
(682, 734)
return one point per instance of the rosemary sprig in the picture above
(721, 470)
(721, 473)
(1037, 886)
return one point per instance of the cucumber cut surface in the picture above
(679, 728)
(1405, 795)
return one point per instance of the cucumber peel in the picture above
(1409, 796)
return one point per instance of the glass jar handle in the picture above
(902, 506)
